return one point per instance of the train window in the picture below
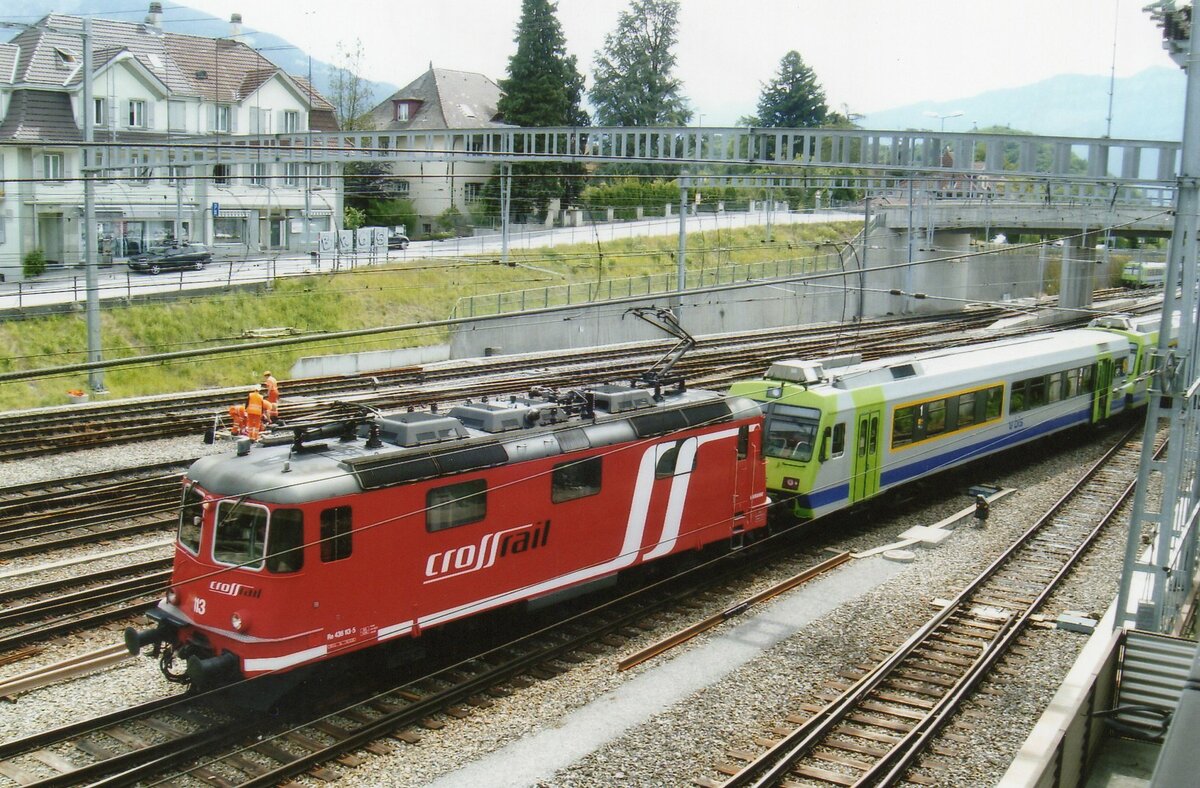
(966, 409)
(575, 479)
(455, 504)
(903, 422)
(935, 418)
(240, 534)
(1087, 377)
(839, 440)
(285, 541)
(995, 400)
(191, 518)
(1016, 400)
(335, 534)
(1037, 393)
(791, 432)
(743, 444)
(668, 463)
(1054, 392)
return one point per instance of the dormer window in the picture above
(402, 111)
(66, 57)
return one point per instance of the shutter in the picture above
(256, 121)
(39, 166)
(212, 117)
(150, 114)
(303, 122)
(233, 115)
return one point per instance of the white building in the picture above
(441, 99)
(152, 87)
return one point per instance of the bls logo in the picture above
(234, 589)
(474, 557)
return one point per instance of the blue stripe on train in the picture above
(904, 473)
(837, 494)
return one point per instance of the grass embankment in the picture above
(402, 294)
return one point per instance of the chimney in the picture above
(154, 18)
(235, 26)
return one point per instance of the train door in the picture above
(1104, 379)
(864, 482)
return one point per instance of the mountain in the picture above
(189, 21)
(1147, 105)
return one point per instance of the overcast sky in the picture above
(869, 55)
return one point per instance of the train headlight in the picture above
(172, 597)
(240, 622)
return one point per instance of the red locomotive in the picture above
(385, 525)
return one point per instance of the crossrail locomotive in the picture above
(842, 431)
(374, 529)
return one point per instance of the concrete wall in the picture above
(359, 363)
(949, 285)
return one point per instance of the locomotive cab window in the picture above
(791, 432)
(668, 463)
(285, 541)
(191, 519)
(240, 535)
(576, 479)
(455, 504)
(335, 534)
(833, 442)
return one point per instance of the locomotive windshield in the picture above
(191, 518)
(791, 432)
(241, 534)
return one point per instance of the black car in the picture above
(398, 242)
(172, 258)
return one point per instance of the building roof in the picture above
(40, 116)
(212, 69)
(9, 53)
(445, 99)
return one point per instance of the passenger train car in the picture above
(367, 531)
(845, 431)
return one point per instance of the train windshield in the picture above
(241, 534)
(792, 432)
(191, 518)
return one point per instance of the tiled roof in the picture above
(9, 53)
(218, 70)
(40, 116)
(448, 100)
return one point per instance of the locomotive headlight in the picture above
(240, 621)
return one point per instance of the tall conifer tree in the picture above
(794, 98)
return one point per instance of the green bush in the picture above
(34, 263)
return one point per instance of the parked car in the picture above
(397, 241)
(170, 258)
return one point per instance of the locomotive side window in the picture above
(335, 534)
(935, 418)
(743, 444)
(995, 399)
(285, 541)
(191, 517)
(669, 460)
(241, 534)
(577, 479)
(1054, 392)
(455, 504)
(902, 425)
(917, 422)
(791, 432)
(966, 409)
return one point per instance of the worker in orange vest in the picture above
(271, 395)
(254, 413)
(237, 420)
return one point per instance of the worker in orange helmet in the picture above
(254, 413)
(237, 420)
(271, 395)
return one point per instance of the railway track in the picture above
(877, 730)
(187, 735)
(47, 431)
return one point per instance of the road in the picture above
(68, 286)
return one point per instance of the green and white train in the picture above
(841, 431)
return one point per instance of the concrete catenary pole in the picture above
(91, 277)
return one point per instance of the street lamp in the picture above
(958, 113)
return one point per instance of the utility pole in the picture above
(505, 208)
(681, 262)
(1158, 578)
(91, 276)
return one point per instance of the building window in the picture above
(221, 174)
(472, 192)
(52, 166)
(401, 188)
(140, 174)
(137, 114)
(229, 229)
(99, 112)
(258, 174)
(291, 174)
(175, 174)
(325, 175)
(176, 116)
(223, 119)
(402, 111)
(291, 121)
